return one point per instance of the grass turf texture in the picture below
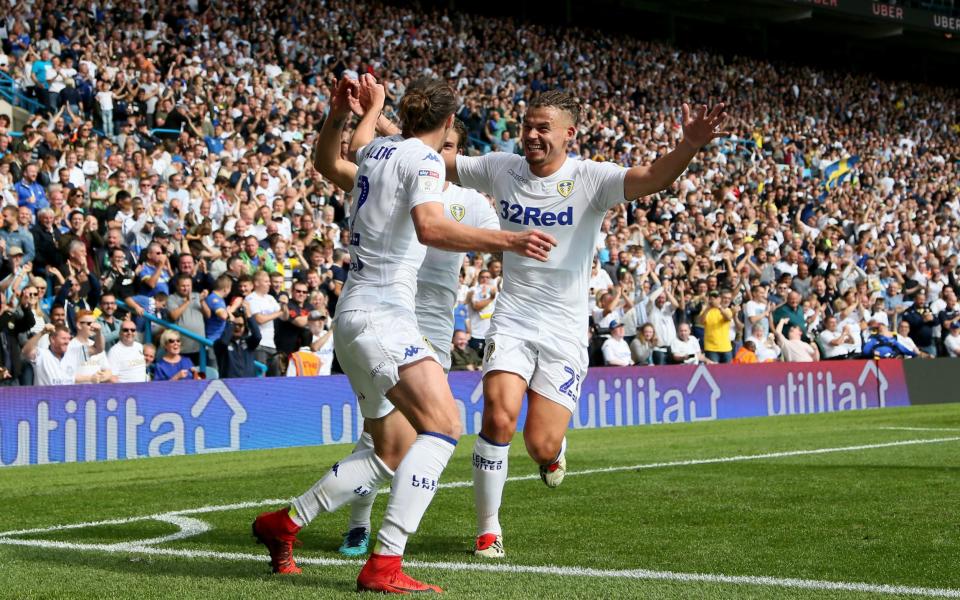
(880, 516)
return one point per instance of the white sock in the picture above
(361, 507)
(489, 477)
(414, 485)
(353, 477)
(563, 449)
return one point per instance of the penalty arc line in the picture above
(469, 483)
(500, 568)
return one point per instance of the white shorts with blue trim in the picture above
(371, 347)
(553, 367)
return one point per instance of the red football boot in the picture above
(384, 574)
(277, 531)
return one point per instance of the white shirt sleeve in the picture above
(478, 172)
(424, 179)
(606, 178)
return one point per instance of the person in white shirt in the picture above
(766, 346)
(952, 341)
(481, 300)
(837, 343)
(56, 365)
(686, 348)
(400, 385)
(126, 356)
(265, 310)
(903, 336)
(616, 351)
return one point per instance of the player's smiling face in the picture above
(547, 131)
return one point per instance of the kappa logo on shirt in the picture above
(433, 157)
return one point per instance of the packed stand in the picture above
(169, 176)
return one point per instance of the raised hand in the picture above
(371, 94)
(704, 126)
(533, 244)
(347, 92)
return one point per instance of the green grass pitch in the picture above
(881, 515)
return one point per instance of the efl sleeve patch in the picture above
(428, 181)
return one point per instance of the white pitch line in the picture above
(640, 574)
(919, 428)
(462, 484)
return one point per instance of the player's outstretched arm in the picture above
(697, 131)
(434, 229)
(326, 155)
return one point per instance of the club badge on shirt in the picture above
(458, 211)
(565, 187)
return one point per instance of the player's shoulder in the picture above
(416, 149)
(596, 168)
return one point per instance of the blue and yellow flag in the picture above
(837, 172)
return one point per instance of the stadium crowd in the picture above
(168, 174)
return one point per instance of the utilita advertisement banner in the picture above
(85, 423)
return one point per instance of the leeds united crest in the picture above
(565, 188)
(458, 211)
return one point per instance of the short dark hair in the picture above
(560, 100)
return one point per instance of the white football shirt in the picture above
(439, 276)
(394, 176)
(550, 297)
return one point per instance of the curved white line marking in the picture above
(462, 484)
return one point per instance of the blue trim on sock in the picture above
(493, 443)
(445, 438)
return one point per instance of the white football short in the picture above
(552, 367)
(371, 347)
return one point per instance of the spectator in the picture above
(13, 323)
(481, 301)
(792, 311)
(109, 321)
(616, 351)
(172, 366)
(149, 357)
(747, 354)
(155, 273)
(952, 342)
(29, 191)
(237, 345)
(189, 309)
(881, 344)
(685, 348)
(645, 349)
(922, 322)
(266, 310)
(792, 346)
(462, 356)
(126, 357)
(56, 364)
(219, 312)
(717, 322)
(836, 343)
(661, 306)
(292, 330)
(16, 235)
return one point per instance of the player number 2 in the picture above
(364, 184)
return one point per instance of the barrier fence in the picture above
(85, 423)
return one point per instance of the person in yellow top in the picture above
(717, 321)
